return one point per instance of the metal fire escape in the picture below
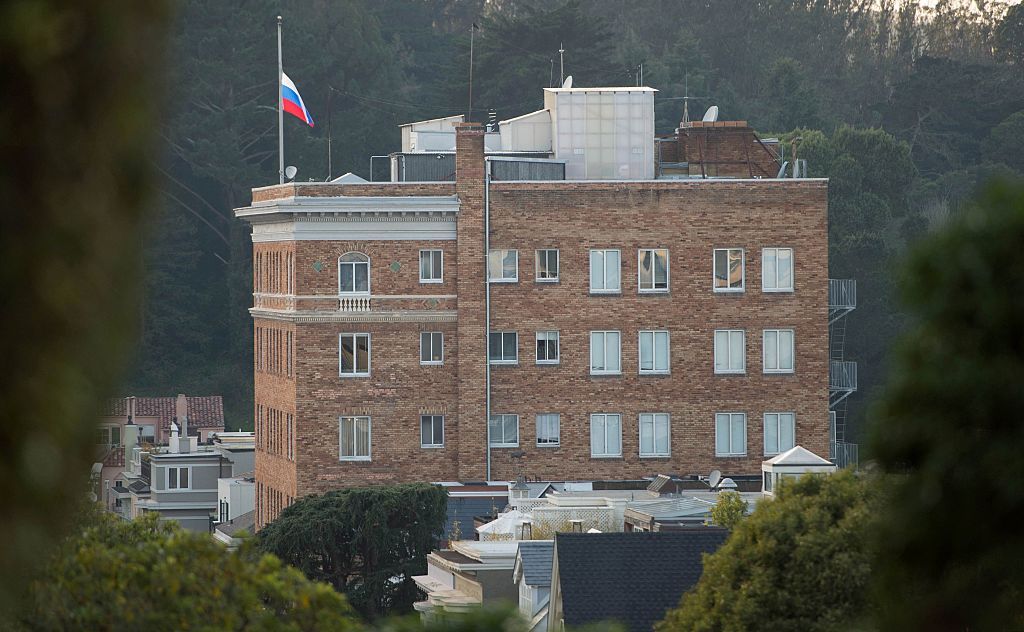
(842, 375)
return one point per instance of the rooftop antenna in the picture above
(686, 99)
(561, 63)
(472, 31)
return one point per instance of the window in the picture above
(605, 435)
(604, 353)
(354, 355)
(431, 431)
(431, 266)
(178, 478)
(779, 432)
(504, 347)
(730, 352)
(729, 270)
(503, 266)
(354, 438)
(431, 347)
(504, 431)
(108, 436)
(353, 273)
(654, 434)
(547, 347)
(604, 272)
(654, 352)
(777, 270)
(547, 266)
(653, 266)
(730, 434)
(548, 430)
(778, 350)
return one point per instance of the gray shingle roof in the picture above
(633, 578)
(535, 558)
(463, 510)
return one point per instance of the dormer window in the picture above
(353, 274)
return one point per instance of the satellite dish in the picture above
(713, 478)
(290, 171)
(711, 115)
(567, 83)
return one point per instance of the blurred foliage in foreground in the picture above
(81, 82)
(949, 430)
(150, 575)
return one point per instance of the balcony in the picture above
(354, 303)
(842, 298)
(843, 454)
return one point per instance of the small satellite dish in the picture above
(711, 115)
(568, 82)
(290, 171)
(713, 478)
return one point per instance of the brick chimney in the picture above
(471, 288)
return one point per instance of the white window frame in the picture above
(369, 285)
(557, 429)
(432, 252)
(558, 347)
(433, 421)
(639, 271)
(490, 433)
(430, 336)
(778, 346)
(369, 438)
(654, 349)
(604, 271)
(604, 345)
(777, 423)
(765, 252)
(177, 487)
(503, 360)
(743, 270)
(653, 422)
(604, 417)
(490, 266)
(743, 346)
(558, 266)
(369, 355)
(731, 416)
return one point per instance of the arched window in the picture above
(353, 273)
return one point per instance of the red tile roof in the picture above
(203, 412)
(114, 457)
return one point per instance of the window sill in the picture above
(655, 292)
(504, 362)
(655, 373)
(729, 291)
(549, 445)
(655, 456)
(555, 280)
(548, 362)
(605, 292)
(606, 374)
(606, 456)
(731, 372)
(731, 456)
(786, 372)
(353, 375)
(353, 294)
(432, 447)
(431, 281)
(516, 280)
(354, 459)
(779, 291)
(504, 445)
(432, 363)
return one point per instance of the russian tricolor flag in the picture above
(291, 102)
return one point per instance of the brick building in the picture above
(633, 325)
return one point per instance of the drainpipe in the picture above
(487, 302)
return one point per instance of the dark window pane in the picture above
(494, 346)
(346, 272)
(347, 354)
(362, 354)
(509, 347)
(362, 272)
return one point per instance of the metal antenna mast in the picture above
(561, 63)
(280, 108)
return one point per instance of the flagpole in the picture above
(280, 108)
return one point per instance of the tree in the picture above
(367, 542)
(147, 574)
(799, 562)
(76, 178)
(729, 510)
(1009, 36)
(1005, 141)
(949, 430)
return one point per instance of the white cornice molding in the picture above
(344, 204)
(404, 316)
